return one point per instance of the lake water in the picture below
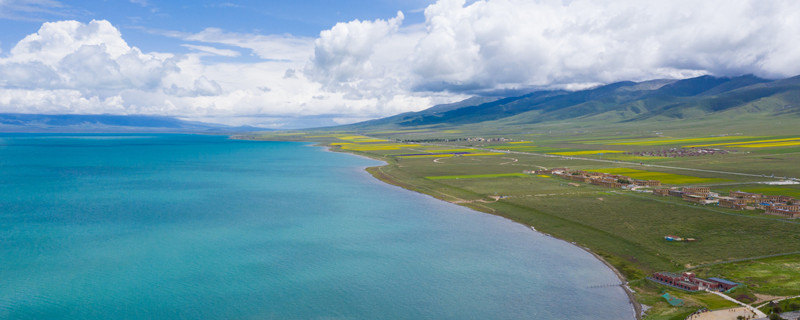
(202, 227)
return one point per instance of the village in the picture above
(776, 205)
(689, 282)
(678, 152)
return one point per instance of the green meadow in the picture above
(623, 227)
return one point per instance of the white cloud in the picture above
(58, 101)
(502, 44)
(92, 58)
(364, 69)
(270, 47)
(343, 54)
(70, 67)
(213, 50)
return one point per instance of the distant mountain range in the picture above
(13, 122)
(627, 101)
(704, 97)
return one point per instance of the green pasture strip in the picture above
(427, 156)
(477, 176)
(451, 150)
(770, 190)
(712, 301)
(775, 150)
(510, 147)
(400, 131)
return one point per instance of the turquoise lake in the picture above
(204, 227)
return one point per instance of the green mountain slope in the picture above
(622, 102)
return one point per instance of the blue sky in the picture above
(137, 20)
(285, 64)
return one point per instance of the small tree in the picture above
(775, 316)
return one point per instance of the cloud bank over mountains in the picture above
(365, 69)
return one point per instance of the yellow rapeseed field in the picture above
(767, 145)
(352, 137)
(627, 157)
(586, 152)
(730, 144)
(665, 178)
(376, 147)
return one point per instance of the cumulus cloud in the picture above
(507, 44)
(343, 54)
(73, 67)
(92, 58)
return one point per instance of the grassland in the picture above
(625, 228)
(776, 276)
(782, 306)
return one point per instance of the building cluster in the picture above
(599, 178)
(479, 139)
(434, 140)
(783, 206)
(699, 195)
(689, 282)
(678, 152)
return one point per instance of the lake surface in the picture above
(202, 227)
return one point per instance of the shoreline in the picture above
(375, 171)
